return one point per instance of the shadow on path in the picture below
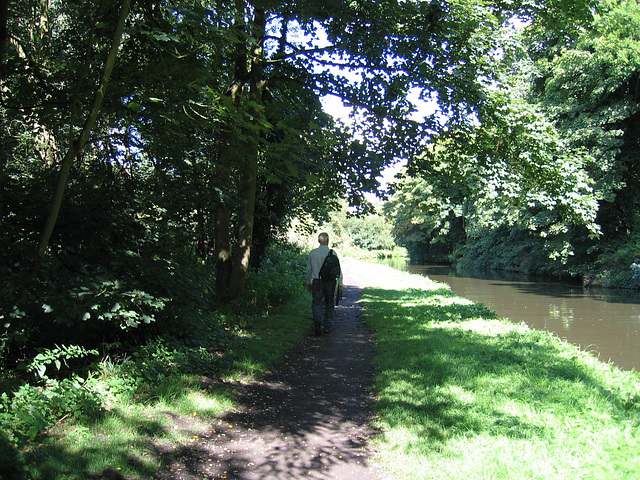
(308, 419)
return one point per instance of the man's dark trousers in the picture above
(322, 302)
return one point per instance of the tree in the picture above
(389, 47)
(368, 232)
(547, 159)
(211, 107)
(591, 94)
(429, 224)
(77, 144)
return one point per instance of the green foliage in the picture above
(369, 232)
(279, 279)
(140, 388)
(58, 357)
(428, 225)
(32, 409)
(199, 341)
(132, 251)
(106, 301)
(618, 264)
(591, 94)
(543, 176)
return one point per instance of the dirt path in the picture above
(307, 419)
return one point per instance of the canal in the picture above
(605, 322)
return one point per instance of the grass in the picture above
(139, 417)
(465, 395)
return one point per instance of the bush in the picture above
(189, 336)
(280, 276)
(32, 408)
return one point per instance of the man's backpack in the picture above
(330, 268)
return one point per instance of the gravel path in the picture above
(308, 419)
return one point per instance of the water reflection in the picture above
(603, 321)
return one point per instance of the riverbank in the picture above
(462, 394)
(601, 320)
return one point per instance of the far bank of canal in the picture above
(605, 322)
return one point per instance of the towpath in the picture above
(308, 419)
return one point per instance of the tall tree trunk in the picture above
(224, 266)
(224, 261)
(247, 191)
(227, 156)
(245, 223)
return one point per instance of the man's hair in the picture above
(323, 238)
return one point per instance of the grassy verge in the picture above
(464, 395)
(144, 395)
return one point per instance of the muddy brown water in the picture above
(603, 321)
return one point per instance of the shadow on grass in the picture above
(449, 368)
(94, 450)
(134, 436)
(203, 446)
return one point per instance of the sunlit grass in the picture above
(138, 419)
(464, 395)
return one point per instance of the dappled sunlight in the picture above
(121, 438)
(492, 328)
(453, 375)
(307, 418)
(199, 403)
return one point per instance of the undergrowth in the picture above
(71, 411)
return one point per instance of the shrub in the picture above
(280, 276)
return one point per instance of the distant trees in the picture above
(369, 232)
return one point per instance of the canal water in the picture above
(603, 321)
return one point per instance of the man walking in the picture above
(322, 291)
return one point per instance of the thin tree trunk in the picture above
(75, 148)
(77, 145)
(224, 265)
(224, 260)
